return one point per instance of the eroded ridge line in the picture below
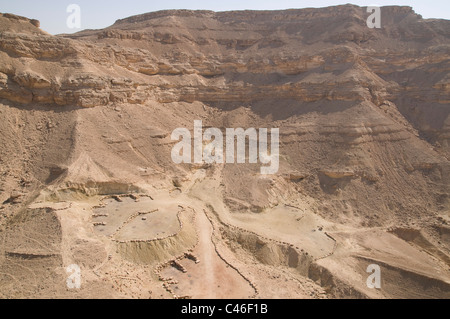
(188, 254)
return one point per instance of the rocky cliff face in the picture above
(363, 116)
(276, 55)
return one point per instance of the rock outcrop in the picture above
(363, 114)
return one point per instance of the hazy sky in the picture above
(97, 14)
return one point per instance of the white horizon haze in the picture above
(101, 14)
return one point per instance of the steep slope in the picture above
(364, 154)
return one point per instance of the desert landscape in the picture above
(87, 178)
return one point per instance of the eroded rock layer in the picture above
(86, 122)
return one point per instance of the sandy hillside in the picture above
(86, 175)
